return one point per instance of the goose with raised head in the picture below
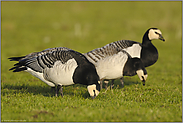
(146, 51)
(113, 63)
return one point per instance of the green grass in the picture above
(34, 26)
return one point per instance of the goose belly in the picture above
(112, 66)
(109, 72)
(40, 76)
(61, 74)
(134, 50)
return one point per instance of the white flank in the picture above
(61, 73)
(134, 50)
(111, 67)
(40, 76)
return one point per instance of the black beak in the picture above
(93, 97)
(143, 81)
(161, 37)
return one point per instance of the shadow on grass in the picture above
(71, 90)
(127, 82)
(25, 88)
(46, 91)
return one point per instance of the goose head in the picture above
(140, 70)
(93, 82)
(153, 33)
(135, 66)
(94, 90)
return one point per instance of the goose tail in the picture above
(16, 58)
(18, 66)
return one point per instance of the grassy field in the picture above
(34, 26)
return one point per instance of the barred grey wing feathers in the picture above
(48, 60)
(39, 60)
(35, 54)
(122, 44)
(100, 53)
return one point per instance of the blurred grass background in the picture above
(83, 26)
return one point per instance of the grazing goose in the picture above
(60, 66)
(113, 63)
(146, 51)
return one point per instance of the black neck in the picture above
(145, 40)
(80, 59)
(128, 68)
(149, 53)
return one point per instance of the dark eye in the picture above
(156, 33)
(143, 79)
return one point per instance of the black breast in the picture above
(85, 73)
(149, 55)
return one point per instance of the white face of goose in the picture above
(93, 91)
(155, 34)
(142, 76)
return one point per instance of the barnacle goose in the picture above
(60, 66)
(113, 63)
(146, 51)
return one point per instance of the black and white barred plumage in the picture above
(146, 51)
(96, 55)
(37, 61)
(113, 63)
(122, 44)
(60, 66)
